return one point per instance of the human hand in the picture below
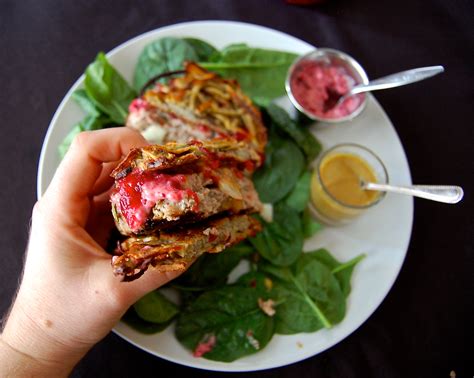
(68, 298)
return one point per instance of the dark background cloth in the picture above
(424, 326)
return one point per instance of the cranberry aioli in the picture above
(313, 83)
(140, 191)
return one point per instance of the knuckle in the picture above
(37, 211)
(81, 139)
(42, 217)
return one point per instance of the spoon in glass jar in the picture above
(441, 193)
(394, 80)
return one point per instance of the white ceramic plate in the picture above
(382, 233)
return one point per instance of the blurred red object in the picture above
(305, 2)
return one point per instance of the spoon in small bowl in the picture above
(440, 193)
(394, 80)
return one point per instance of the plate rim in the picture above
(219, 366)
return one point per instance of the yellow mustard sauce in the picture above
(342, 196)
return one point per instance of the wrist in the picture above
(32, 345)
(14, 363)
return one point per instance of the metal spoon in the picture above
(390, 81)
(440, 193)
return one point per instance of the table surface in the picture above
(422, 327)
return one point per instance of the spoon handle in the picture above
(440, 193)
(398, 79)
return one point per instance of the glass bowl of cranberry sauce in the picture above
(316, 80)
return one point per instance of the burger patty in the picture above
(158, 186)
(167, 199)
(173, 250)
(173, 123)
(200, 105)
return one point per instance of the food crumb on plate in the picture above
(268, 306)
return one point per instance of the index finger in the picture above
(77, 174)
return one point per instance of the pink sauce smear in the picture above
(314, 82)
(205, 346)
(137, 104)
(140, 191)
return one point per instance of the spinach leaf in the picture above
(108, 89)
(234, 46)
(83, 100)
(186, 297)
(133, 320)
(260, 72)
(310, 226)
(342, 271)
(228, 321)
(299, 196)
(280, 241)
(309, 295)
(161, 56)
(300, 134)
(298, 200)
(90, 122)
(258, 282)
(203, 49)
(284, 163)
(212, 269)
(154, 307)
(95, 120)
